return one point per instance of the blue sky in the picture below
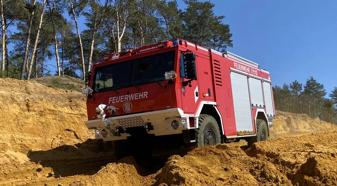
(292, 39)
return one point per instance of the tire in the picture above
(261, 134)
(262, 130)
(208, 132)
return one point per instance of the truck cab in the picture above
(177, 87)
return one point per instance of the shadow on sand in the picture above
(84, 158)
(89, 157)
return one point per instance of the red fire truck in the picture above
(179, 88)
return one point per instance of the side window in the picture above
(182, 65)
(103, 80)
(187, 66)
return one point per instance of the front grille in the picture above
(131, 122)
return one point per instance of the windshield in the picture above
(134, 72)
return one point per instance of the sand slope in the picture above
(44, 141)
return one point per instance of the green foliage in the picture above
(171, 19)
(311, 100)
(201, 26)
(296, 88)
(146, 22)
(314, 89)
(333, 95)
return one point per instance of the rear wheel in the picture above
(262, 132)
(208, 132)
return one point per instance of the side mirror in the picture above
(189, 69)
(87, 91)
(171, 75)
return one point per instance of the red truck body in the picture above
(148, 88)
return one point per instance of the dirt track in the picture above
(44, 141)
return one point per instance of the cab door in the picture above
(189, 82)
(204, 74)
(199, 89)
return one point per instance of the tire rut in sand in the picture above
(310, 159)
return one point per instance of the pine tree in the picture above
(31, 8)
(333, 95)
(94, 16)
(37, 38)
(295, 88)
(171, 19)
(76, 8)
(201, 26)
(313, 88)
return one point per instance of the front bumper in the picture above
(109, 129)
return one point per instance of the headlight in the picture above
(87, 91)
(100, 111)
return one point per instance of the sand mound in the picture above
(307, 159)
(286, 124)
(208, 166)
(310, 159)
(33, 116)
(36, 117)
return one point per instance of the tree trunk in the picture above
(97, 22)
(142, 37)
(25, 60)
(36, 67)
(119, 43)
(36, 40)
(7, 58)
(41, 65)
(4, 37)
(120, 33)
(57, 57)
(62, 53)
(92, 46)
(79, 38)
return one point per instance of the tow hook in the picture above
(118, 131)
(148, 126)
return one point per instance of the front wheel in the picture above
(208, 132)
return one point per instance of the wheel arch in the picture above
(260, 114)
(213, 111)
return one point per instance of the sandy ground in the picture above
(44, 141)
